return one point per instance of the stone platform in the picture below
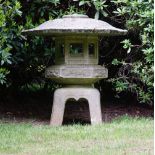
(76, 74)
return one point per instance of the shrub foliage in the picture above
(136, 71)
(23, 60)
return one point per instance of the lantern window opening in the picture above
(76, 49)
(62, 49)
(91, 49)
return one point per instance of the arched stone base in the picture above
(61, 95)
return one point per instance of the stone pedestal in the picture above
(61, 95)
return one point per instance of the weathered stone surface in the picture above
(76, 74)
(73, 66)
(75, 24)
(63, 94)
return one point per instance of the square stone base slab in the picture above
(61, 96)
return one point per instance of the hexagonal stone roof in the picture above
(75, 24)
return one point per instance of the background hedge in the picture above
(129, 59)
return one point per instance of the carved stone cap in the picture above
(75, 24)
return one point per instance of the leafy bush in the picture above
(23, 60)
(9, 34)
(136, 68)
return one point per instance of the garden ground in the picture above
(123, 136)
(126, 129)
(37, 110)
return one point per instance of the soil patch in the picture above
(38, 111)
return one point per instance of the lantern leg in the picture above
(95, 107)
(57, 109)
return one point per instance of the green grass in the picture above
(123, 136)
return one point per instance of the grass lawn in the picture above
(123, 136)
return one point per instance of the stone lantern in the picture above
(76, 61)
